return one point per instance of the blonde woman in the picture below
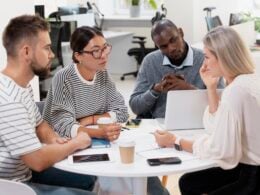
(234, 120)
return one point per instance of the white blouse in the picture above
(235, 126)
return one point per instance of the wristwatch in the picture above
(177, 144)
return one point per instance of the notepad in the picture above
(100, 143)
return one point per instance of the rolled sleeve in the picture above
(74, 130)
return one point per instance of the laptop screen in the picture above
(185, 109)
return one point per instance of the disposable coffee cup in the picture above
(127, 151)
(104, 121)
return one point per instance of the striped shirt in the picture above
(71, 97)
(19, 117)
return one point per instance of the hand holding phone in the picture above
(159, 161)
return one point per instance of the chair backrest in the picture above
(213, 22)
(55, 35)
(40, 106)
(15, 188)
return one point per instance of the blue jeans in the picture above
(55, 179)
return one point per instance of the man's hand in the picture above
(172, 82)
(176, 82)
(60, 140)
(111, 131)
(164, 138)
(82, 140)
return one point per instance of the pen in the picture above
(125, 128)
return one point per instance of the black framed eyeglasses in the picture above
(97, 53)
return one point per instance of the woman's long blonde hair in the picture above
(228, 47)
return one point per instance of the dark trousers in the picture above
(242, 180)
(56, 177)
(154, 187)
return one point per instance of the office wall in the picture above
(15, 8)
(190, 15)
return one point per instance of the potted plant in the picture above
(257, 29)
(135, 6)
(247, 16)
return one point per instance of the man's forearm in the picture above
(45, 133)
(49, 155)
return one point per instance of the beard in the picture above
(41, 72)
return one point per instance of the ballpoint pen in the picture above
(125, 128)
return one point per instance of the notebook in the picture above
(100, 143)
(185, 109)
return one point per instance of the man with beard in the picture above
(26, 141)
(175, 66)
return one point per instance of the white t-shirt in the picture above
(235, 125)
(19, 117)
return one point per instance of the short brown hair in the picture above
(21, 28)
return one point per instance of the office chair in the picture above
(55, 15)
(140, 52)
(55, 35)
(15, 188)
(211, 22)
(40, 106)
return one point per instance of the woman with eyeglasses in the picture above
(83, 92)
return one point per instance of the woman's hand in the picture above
(164, 138)
(210, 81)
(111, 131)
(88, 120)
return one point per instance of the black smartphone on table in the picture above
(160, 161)
(90, 158)
(133, 122)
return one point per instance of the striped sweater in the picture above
(71, 98)
(19, 117)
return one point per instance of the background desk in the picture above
(126, 21)
(256, 58)
(119, 62)
(139, 170)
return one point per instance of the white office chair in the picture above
(15, 188)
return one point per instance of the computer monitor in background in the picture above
(39, 9)
(72, 9)
(68, 10)
(235, 18)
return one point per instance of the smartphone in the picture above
(90, 158)
(159, 161)
(133, 122)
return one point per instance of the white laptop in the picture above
(185, 109)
